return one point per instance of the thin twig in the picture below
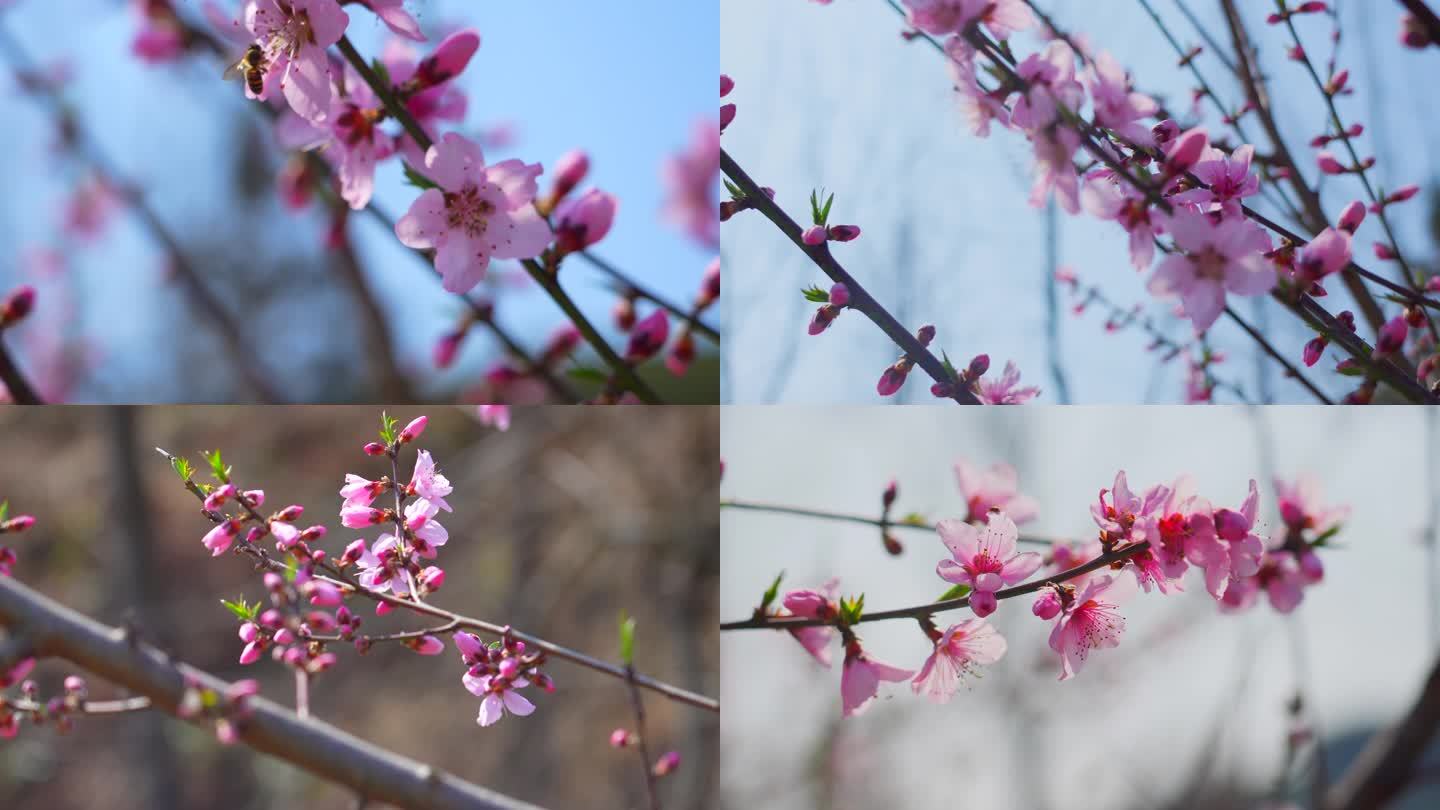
(21, 391)
(799, 511)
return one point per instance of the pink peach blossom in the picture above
(814, 604)
(860, 679)
(984, 559)
(1218, 257)
(1089, 621)
(959, 651)
(996, 487)
(477, 213)
(294, 36)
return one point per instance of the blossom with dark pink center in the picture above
(1088, 621)
(294, 36)
(1216, 258)
(985, 559)
(478, 213)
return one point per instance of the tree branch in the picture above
(1387, 763)
(316, 747)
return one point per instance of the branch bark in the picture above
(54, 630)
(1387, 763)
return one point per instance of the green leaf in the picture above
(816, 295)
(735, 192)
(241, 609)
(291, 570)
(4, 510)
(417, 179)
(217, 466)
(383, 72)
(949, 367)
(387, 428)
(182, 467)
(587, 374)
(627, 639)
(1322, 540)
(825, 211)
(852, 608)
(914, 519)
(955, 592)
(770, 592)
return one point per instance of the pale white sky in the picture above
(1018, 737)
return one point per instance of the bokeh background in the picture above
(832, 96)
(1190, 711)
(559, 524)
(549, 77)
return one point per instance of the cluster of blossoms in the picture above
(356, 117)
(1155, 180)
(59, 711)
(307, 595)
(1145, 541)
(496, 672)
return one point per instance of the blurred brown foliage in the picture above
(560, 523)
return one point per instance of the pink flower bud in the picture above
(432, 578)
(469, 645)
(1311, 568)
(925, 334)
(727, 115)
(359, 517)
(726, 85)
(1231, 525)
(1384, 252)
(17, 305)
(1328, 164)
(374, 449)
(426, 645)
(1047, 604)
(892, 491)
(624, 314)
(449, 59)
(447, 347)
(249, 632)
(983, 603)
(1392, 337)
(839, 295)
(412, 431)
(570, 171)
(1187, 150)
(75, 685)
(682, 354)
(218, 496)
(284, 636)
(648, 337)
(709, 285)
(251, 653)
(324, 594)
(1351, 217)
(582, 221)
(1403, 193)
(667, 763)
(226, 732)
(1314, 349)
(19, 523)
(813, 235)
(979, 364)
(843, 233)
(619, 738)
(218, 539)
(892, 379)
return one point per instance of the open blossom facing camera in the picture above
(1219, 257)
(294, 36)
(478, 213)
(985, 559)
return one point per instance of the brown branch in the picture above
(21, 391)
(319, 748)
(1426, 17)
(1387, 763)
(796, 622)
(454, 621)
(860, 299)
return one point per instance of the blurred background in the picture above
(113, 325)
(832, 96)
(560, 523)
(1192, 710)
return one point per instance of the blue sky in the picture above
(831, 96)
(627, 87)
